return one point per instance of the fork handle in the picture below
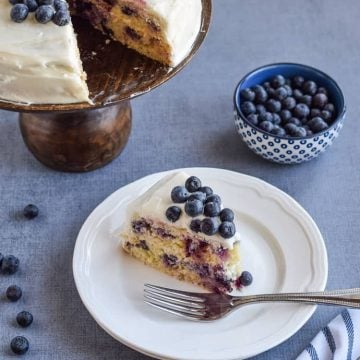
(347, 297)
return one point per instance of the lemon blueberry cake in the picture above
(179, 227)
(39, 57)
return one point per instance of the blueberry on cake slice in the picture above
(163, 30)
(181, 228)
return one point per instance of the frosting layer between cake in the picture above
(154, 202)
(39, 63)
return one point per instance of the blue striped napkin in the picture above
(340, 340)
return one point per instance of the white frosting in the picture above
(155, 201)
(39, 63)
(182, 19)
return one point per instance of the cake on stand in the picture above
(83, 137)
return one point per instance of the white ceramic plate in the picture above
(281, 246)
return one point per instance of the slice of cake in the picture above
(180, 227)
(39, 63)
(163, 30)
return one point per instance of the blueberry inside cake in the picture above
(181, 228)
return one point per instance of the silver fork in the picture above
(209, 307)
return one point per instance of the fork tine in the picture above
(177, 293)
(175, 312)
(174, 304)
(173, 299)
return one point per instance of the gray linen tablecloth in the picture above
(186, 122)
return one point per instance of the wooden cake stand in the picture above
(82, 137)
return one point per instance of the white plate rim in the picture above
(284, 199)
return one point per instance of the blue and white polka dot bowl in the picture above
(281, 149)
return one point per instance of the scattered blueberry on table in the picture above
(10, 264)
(31, 211)
(13, 293)
(44, 11)
(24, 319)
(19, 345)
(295, 107)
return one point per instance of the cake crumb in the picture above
(93, 53)
(107, 41)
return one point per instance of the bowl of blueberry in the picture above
(288, 113)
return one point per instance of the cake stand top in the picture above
(116, 73)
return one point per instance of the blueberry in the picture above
(317, 124)
(271, 93)
(62, 18)
(212, 209)
(246, 278)
(266, 126)
(170, 260)
(61, 5)
(45, 2)
(213, 198)
(206, 190)
(194, 208)
(326, 115)
(297, 94)
(322, 90)
(1, 259)
(13, 293)
(278, 81)
(266, 85)
(19, 345)
(198, 195)
(298, 82)
(19, 13)
(289, 90)
(300, 132)
(319, 101)
(209, 226)
(276, 119)
(260, 108)
(248, 94)
(193, 184)
(267, 116)
(285, 115)
(289, 103)
(307, 100)
(179, 194)
(309, 133)
(44, 13)
(227, 229)
(301, 111)
(278, 131)
(31, 211)
(24, 318)
(253, 119)
(260, 94)
(281, 93)
(227, 215)
(291, 129)
(248, 108)
(315, 112)
(330, 107)
(14, 2)
(294, 121)
(309, 87)
(273, 105)
(10, 265)
(31, 4)
(195, 225)
(173, 213)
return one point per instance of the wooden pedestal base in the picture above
(77, 141)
